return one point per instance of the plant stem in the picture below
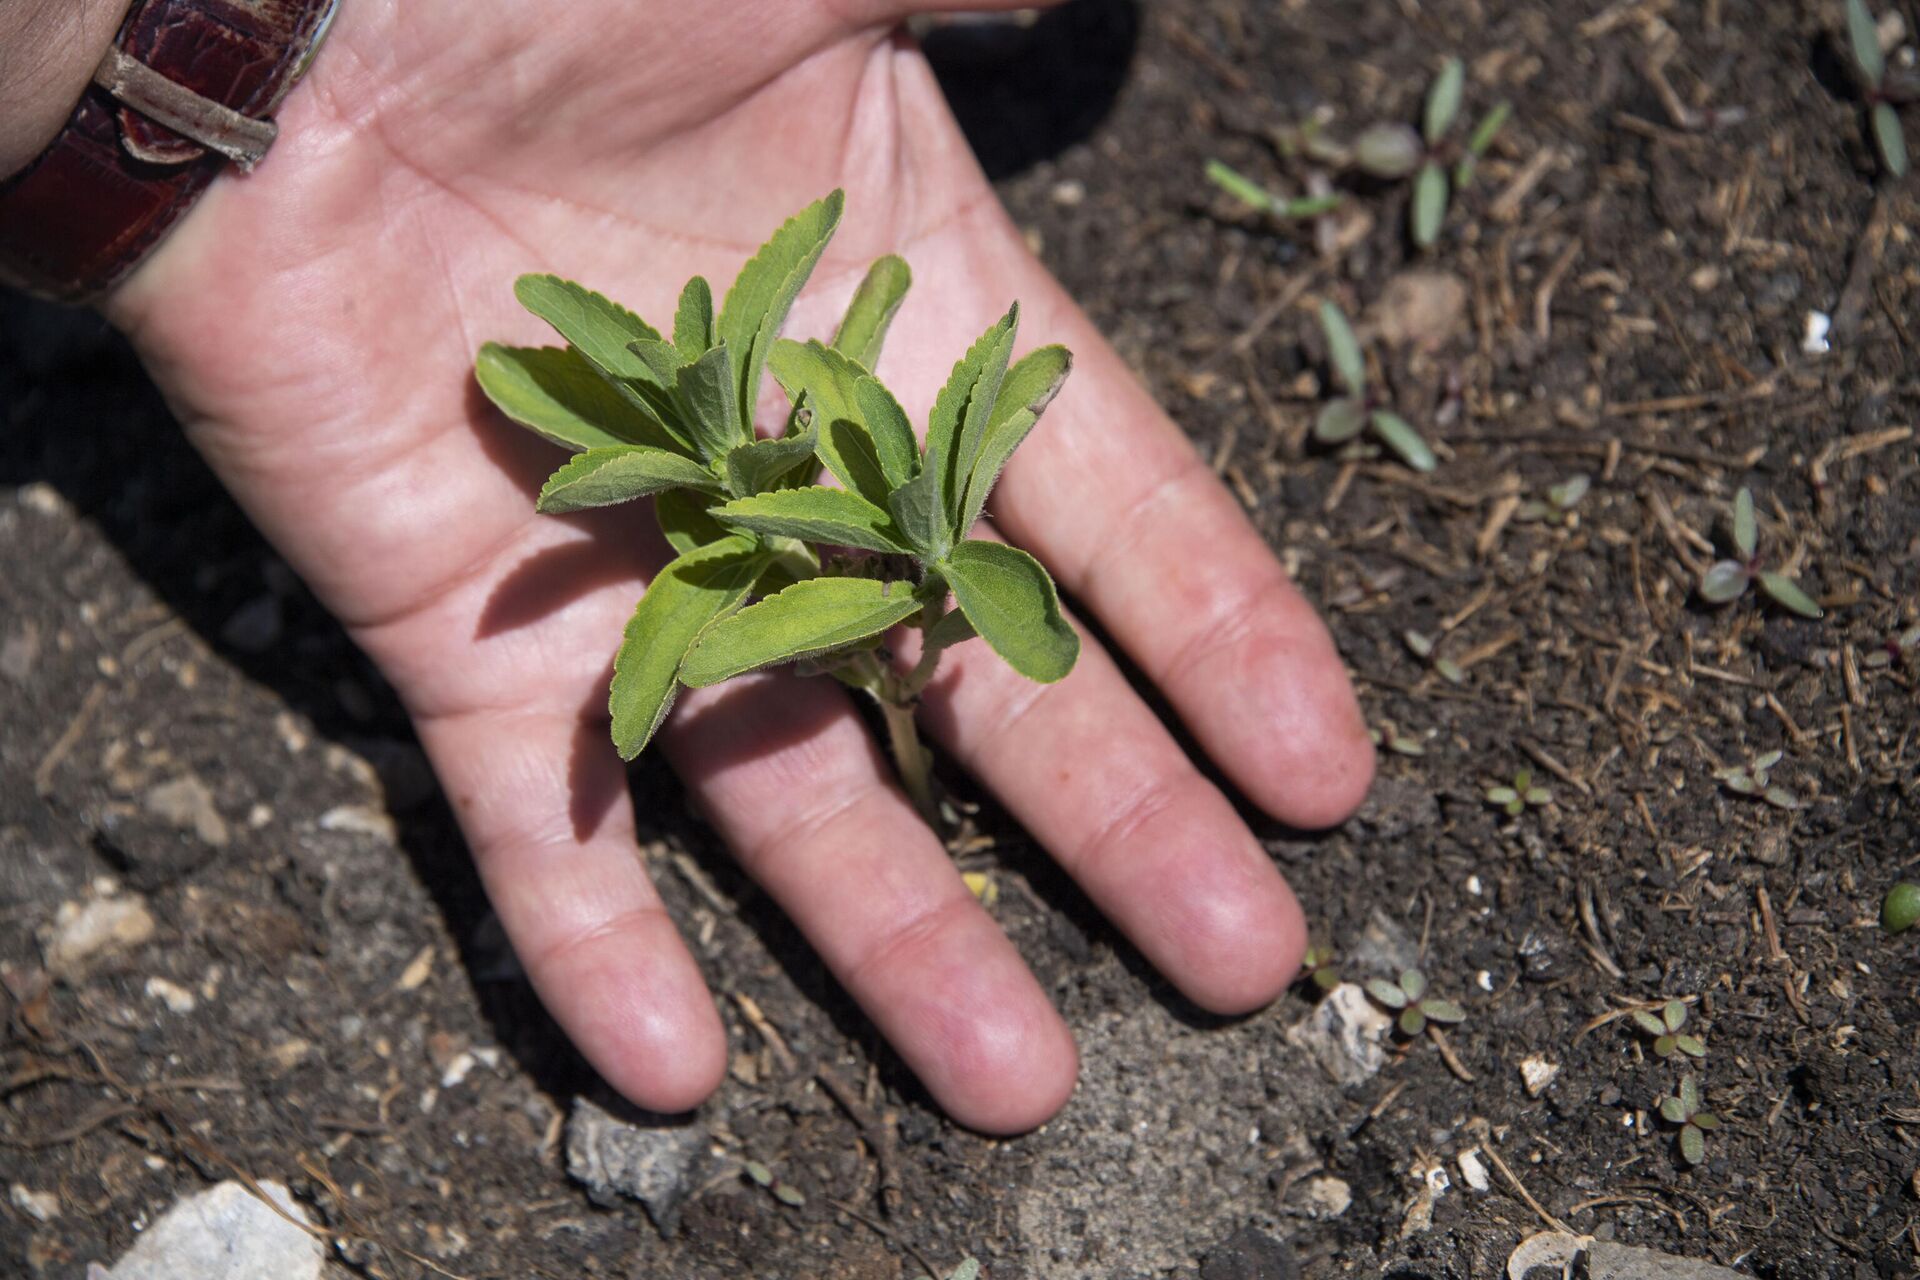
(910, 758)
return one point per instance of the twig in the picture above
(69, 737)
(1520, 1189)
(1447, 1054)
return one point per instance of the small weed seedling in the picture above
(1247, 191)
(1901, 910)
(1422, 646)
(772, 567)
(1664, 1029)
(1388, 735)
(1755, 778)
(1398, 151)
(1727, 580)
(1346, 417)
(1557, 507)
(1410, 999)
(1317, 967)
(1516, 798)
(1683, 1109)
(1870, 64)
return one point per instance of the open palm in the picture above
(315, 323)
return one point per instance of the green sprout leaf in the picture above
(1389, 151)
(916, 511)
(1012, 603)
(1489, 128)
(1693, 1145)
(1746, 529)
(1443, 100)
(1674, 1015)
(1690, 1095)
(556, 393)
(1704, 1120)
(1340, 421)
(1663, 1047)
(1673, 1110)
(1030, 387)
(818, 514)
(827, 381)
(1901, 909)
(1567, 494)
(1724, 582)
(875, 303)
(770, 464)
(1890, 138)
(1403, 440)
(965, 400)
(1429, 205)
(1786, 593)
(621, 473)
(693, 320)
(688, 594)
(1692, 1046)
(704, 390)
(1438, 1010)
(1864, 37)
(1414, 984)
(1387, 993)
(1649, 1023)
(1240, 187)
(1343, 349)
(808, 619)
(968, 1270)
(892, 433)
(757, 305)
(601, 330)
(1412, 1022)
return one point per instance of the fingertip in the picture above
(1010, 1070)
(1245, 947)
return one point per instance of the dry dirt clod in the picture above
(1422, 309)
(1345, 1034)
(186, 804)
(660, 1166)
(84, 933)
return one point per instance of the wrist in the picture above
(48, 50)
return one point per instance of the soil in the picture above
(1637, 271)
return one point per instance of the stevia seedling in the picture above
(1423, 646)
(1416, 1008)
(773, 567)
(1388, 735)
(1285, 208)
(1901, 909)
(769, 1181)
(1727, 580)
(1316, 966)
(1344, 418)
(1683, 1109)
(1870, 64)
(1755, 778)
(1517, 797)
(1663, 1027)
(1393, 150)
(1557, 507)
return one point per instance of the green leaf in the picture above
(704, 391)
(1673, 1110)
(1012, 603)
(598, 328)
(1673, 1015)
(1438, 1010)
(1864, 36)
(1414, 983)
(917, 513)
(1690, 1095)
(1900, 910)
(1240, 187)
(1704, 1120)
(806, 620)
(1648, 1023)
(1403, 440)
(1488, 129)
(952, 629)
(763, 294)
(693, 322)
(983, 403)
(687, 595)
(1786, 593)
(1429, 205)
(1891, 138)
(1746, 530)
(892, 434)
(1343, 349)
(1443, 100)
(968, 1270)
(604, 477)
(1724, 581)
(1566, 495)
(827, 380)
(1502, 796)
(1388, 150)
(817, 514)
(1663, 1047)
(945, 426)
(1387, 993)
(864, 330)
(685, 520)
(555, 393)
(1692, 1046)
(1693, 1145)
(1030, 387)
(770, 464)
(1412, 1022)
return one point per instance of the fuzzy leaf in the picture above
(1488, 129)
(1674, 1015)
(1429, 205)
(1414, 983)
(892, 434)
(1648, 1023)
(1438, 1010)
(1864, 37)
(704, 391)
(1704, 1120)
(757, 305)
(1690, 1095)
(952, 629)
(1693, 1145)
(864, 330)
(816, 514)
(554, 392)
(1663, 1047)
(808, 619)
(693, 321)
(604, 477)
(1786, 593)
(1343, 349)
(1340, 421)
(1692, 1046)
(983, 404)
(599, 329)
(769, 464)
(1238, 185)
(1030, 386)
(1389, 150)
(1387, 993)
(1890, 138)
(686, 596)
(827, 379)
(1011, 602)
(950, 419)
(1673, 1110)
(1403, 440)
(917, 514)
(1443, 100)
(685, 519)
(1746, 530)
(1412, 1022)
(1725, 581)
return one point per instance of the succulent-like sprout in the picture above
(1663, 1025)
(1416, 1008)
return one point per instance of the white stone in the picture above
(176, 997)
(360, 819)
(223, 1233)
(1326, 1196)
(100, 927)
(1815, 343)
(1346, 1034)
(1537, 1072)
(1473, 1170)
(41, 1206)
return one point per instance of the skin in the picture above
(314, 326)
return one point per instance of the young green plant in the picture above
(772, 567)
(1755, 778)
(1557, 508)
(1870, 64)
(1410, 999)
(1727, 580)
(1345, 417)
(1516, 798)
(1663, 1025)
(1683, 1108)
(1285, 208)
(1900, 910)
(1394, 150)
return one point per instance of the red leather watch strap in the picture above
(100, 197)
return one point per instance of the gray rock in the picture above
(1609, 1261)
(1250, 1254)
(659, 1165)
(1345, 1034)
(222, 1233)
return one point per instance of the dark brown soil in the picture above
(1636, 296)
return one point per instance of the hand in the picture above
(315, 323)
